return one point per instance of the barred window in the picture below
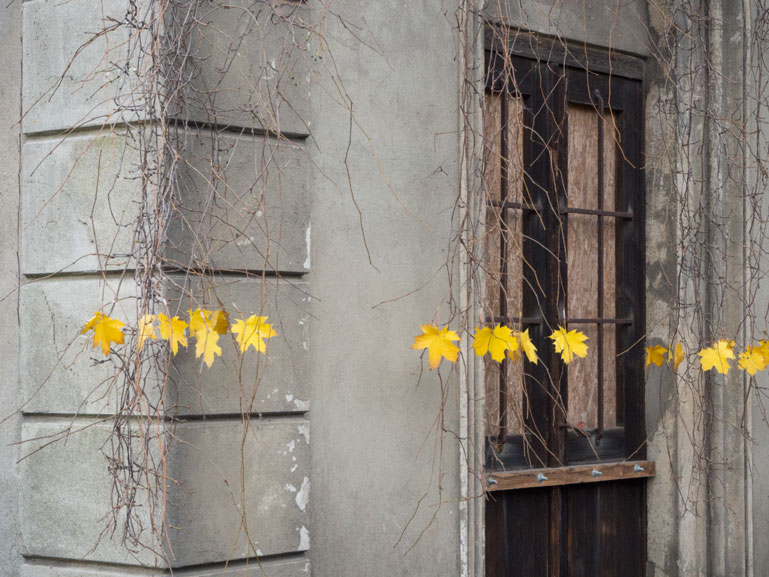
(564, 247)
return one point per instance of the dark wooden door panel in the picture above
(583, 531)
(517, 533)
(622, 509)
(602, 532)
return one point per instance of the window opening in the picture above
(564, 246)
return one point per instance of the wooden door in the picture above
(564, 246)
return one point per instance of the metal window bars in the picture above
(600, 213)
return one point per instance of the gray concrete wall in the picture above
(10, 95)
(281, 205)
(375, 460)
(353, 208)
(234, 473)
(621, 26)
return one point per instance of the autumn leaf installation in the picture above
(502, 342)
(205, 326)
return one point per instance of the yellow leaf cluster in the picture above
(753, 359)
(501, 341)
(204, 325)
(656, 355)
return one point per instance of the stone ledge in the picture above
(80, 200)
(244, 205)
(299, 567)
(88, 85)
(229, 504)
(249, 66)
(252, 382)
(241, 204)
(66, 492)
(60, 371)
(62, 374)
(244, 67)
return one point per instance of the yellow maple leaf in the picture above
(496, 341)
(569, 344)
(106, 330)
(752, 360)
(172, 330)
(655, 355)
(145, 330)
(528, 347)
(677, 355)
(206, 327)
(252, 332)
(717, 356)
(438, 343)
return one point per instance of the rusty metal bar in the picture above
(599, 212)
(575, 321)
(599, 344)
(514, 320)
(511, 204)
(598, 321)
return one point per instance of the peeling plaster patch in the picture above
(291, 446)
(304, 430)
(303, 495)
(307, 240)
(245, 241)
(301, 405)
(294, 468)
(306, 568)
(304, 539)
(289, 398)
(290, 487)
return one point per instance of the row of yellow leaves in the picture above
(500, 341)
(206, 326)
(753, 359)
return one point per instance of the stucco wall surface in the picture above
(10, 95)
(350, 213)
(376, 458)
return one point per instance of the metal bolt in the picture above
(491, 481)
(638, 469)
(596, 473)
(541, 477)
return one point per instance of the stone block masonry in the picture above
(227, 446)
